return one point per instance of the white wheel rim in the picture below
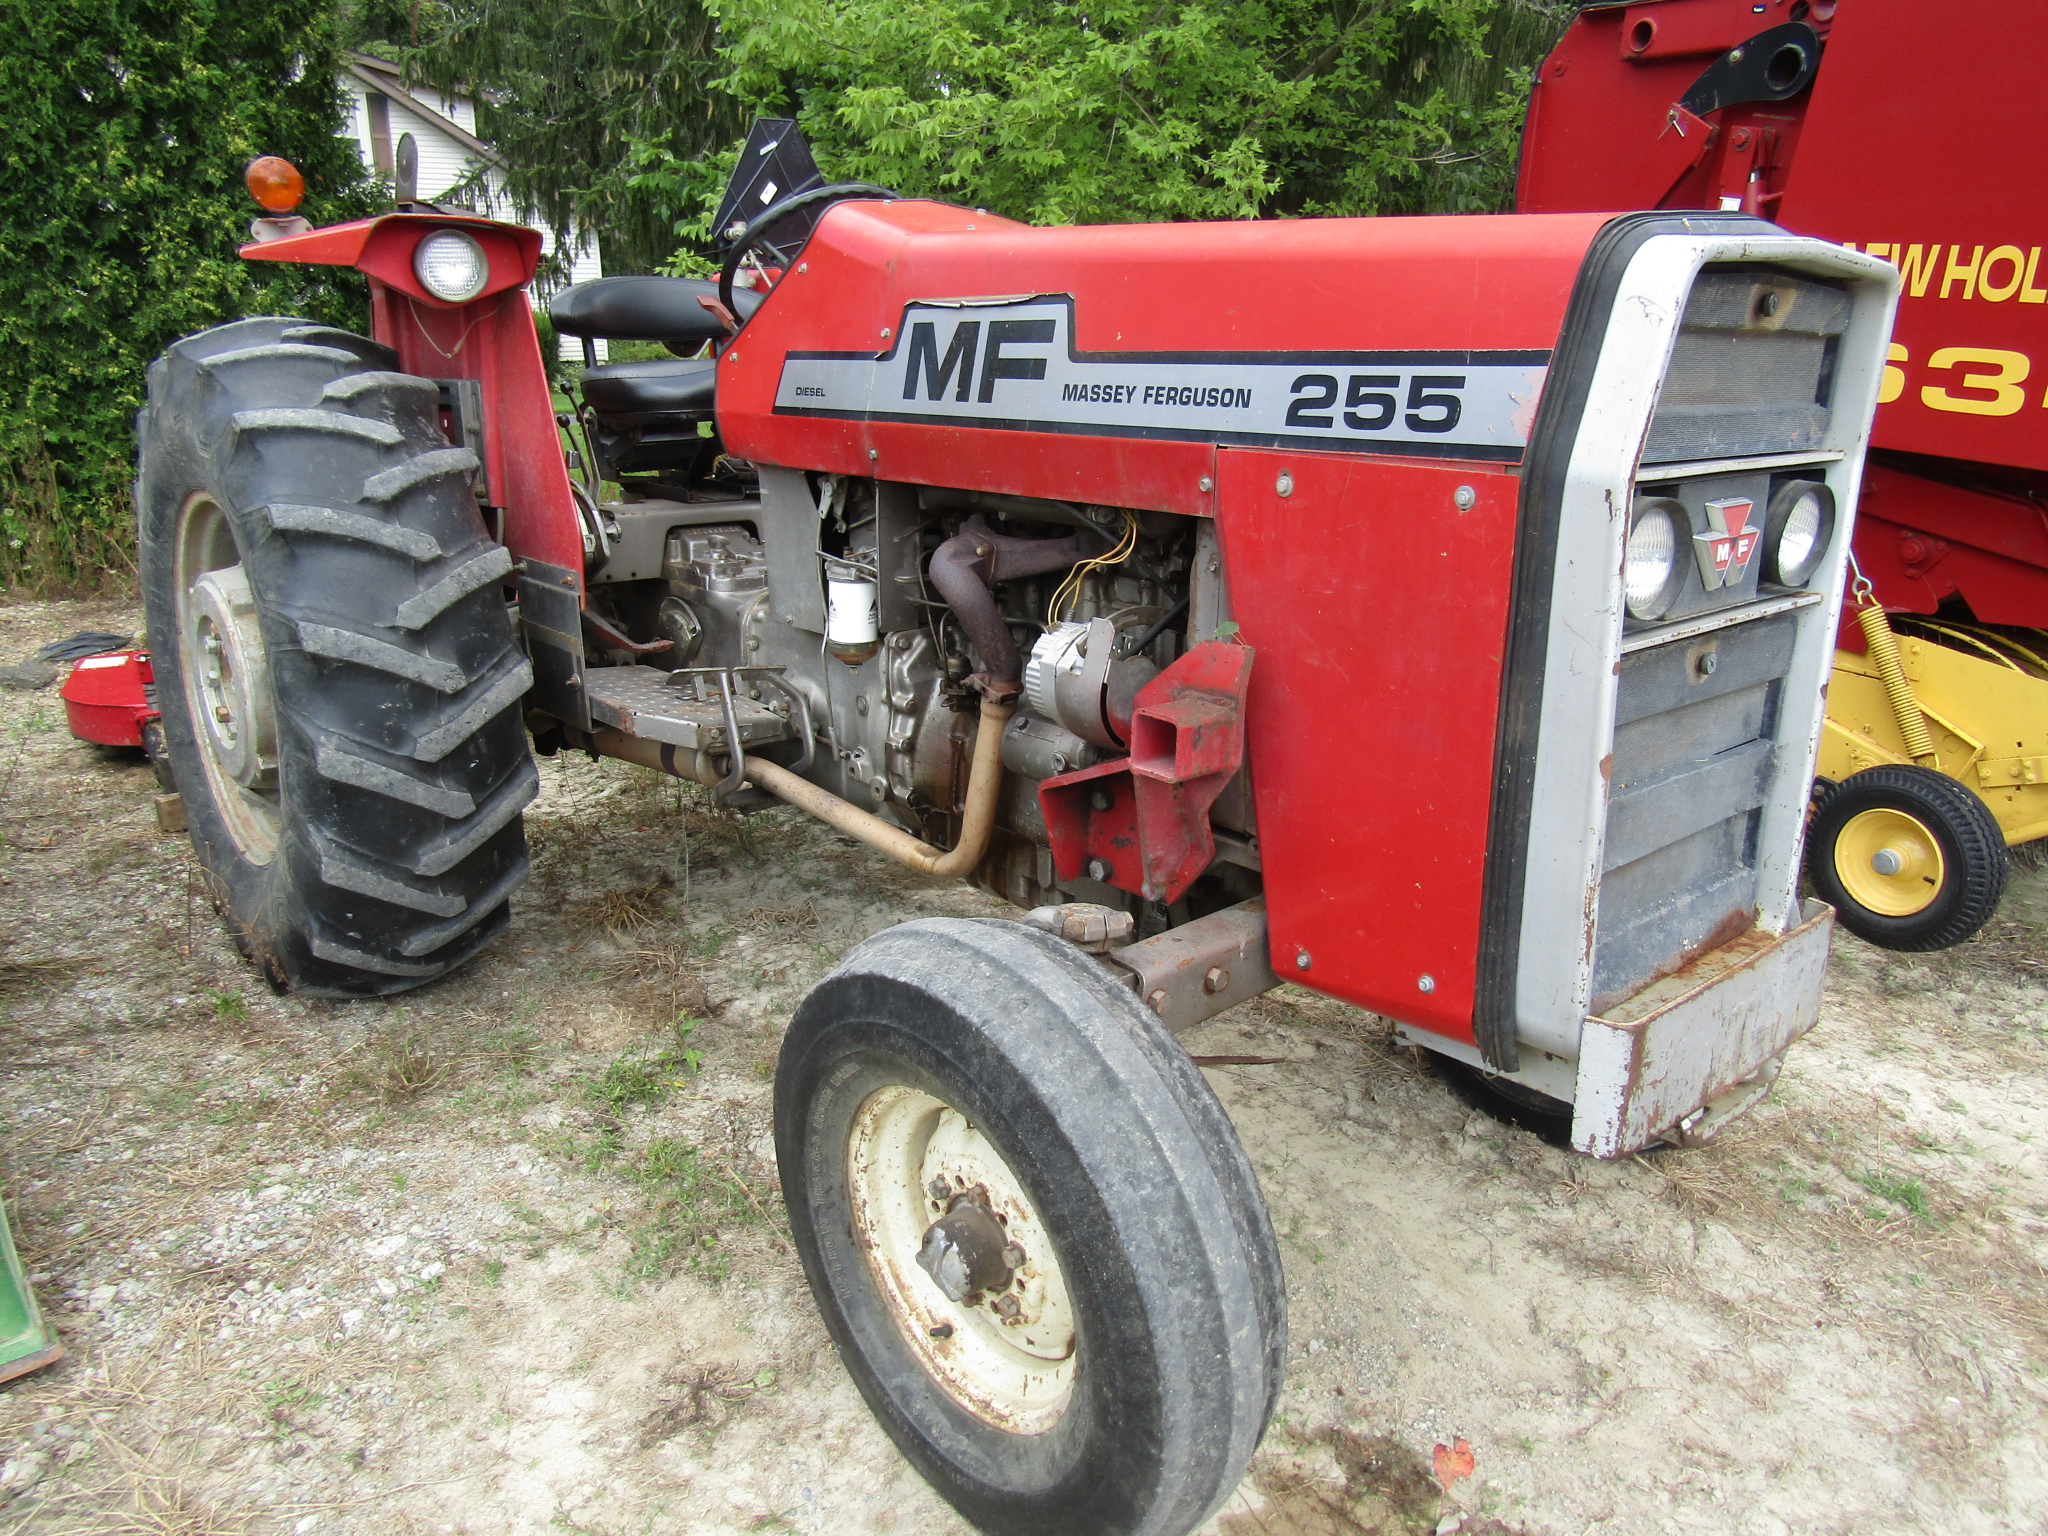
(226, 676)
(1013, 1371)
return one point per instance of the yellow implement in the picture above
(1910, 863)
(1984, 696)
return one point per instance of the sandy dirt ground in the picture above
(506, 1255)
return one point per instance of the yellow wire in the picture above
(1068, 592)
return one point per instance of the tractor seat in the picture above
(629, 394)
(645, 309)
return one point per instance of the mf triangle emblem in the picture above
(1725, 550)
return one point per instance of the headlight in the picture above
(1797, 531)
(451, 266)
(1651, 574)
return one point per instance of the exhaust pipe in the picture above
(977, 822)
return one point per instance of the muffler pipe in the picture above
(977, 820)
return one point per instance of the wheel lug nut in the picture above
(222, 713)
(1013, 1256)
(1008, 1306)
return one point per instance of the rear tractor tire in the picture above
(1909, 859)
(1031, 1230)
(335, 662)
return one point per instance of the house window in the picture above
(377, 109)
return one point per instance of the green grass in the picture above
(641, 1079)
(1907, 1194)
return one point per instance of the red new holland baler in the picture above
(1429, 612)
(1908, 131)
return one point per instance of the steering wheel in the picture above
(755, 233)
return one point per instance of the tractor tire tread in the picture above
(494, 564)
(404, 767)
(337, 524)
(388, 485)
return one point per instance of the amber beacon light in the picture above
(275, 183)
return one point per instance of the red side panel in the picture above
(1216, 292)
(1926, 144)
(1378, 611)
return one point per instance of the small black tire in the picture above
(335, 662)
(1161, 1239)
(1945, 861)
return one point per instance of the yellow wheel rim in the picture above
(1889, 862)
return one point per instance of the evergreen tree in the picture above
(129, 124)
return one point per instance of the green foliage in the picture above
(579, 105)
(129, 123)
(1909, 1194)
(637, 1079)
(694, 1201)
(628, 120)
(1214, 109)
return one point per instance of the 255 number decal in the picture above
(1372, 401)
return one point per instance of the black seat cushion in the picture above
(625, 393)
(644, 309)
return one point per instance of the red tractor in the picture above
(1935, 754)
(1433, 613)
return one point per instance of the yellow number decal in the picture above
(1893, 383)
(2006, 395)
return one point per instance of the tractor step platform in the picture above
(697, 708)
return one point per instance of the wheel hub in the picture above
(231, 671)
(966, 1251)
(961, 1259)
(1890, 862)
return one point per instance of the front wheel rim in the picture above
(1890, 862)
(1005, 1354)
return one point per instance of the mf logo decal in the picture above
(1010, 365)
(1725, 550)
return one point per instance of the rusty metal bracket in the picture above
(1141, 823)
(1194, 972)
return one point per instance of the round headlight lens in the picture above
(1650, 569)
(1796, 533)
(451, 266)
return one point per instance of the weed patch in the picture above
(1907, 1194)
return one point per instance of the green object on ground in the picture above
(27, 1343)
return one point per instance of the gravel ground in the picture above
(506, 1255)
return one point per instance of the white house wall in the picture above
(444, 161)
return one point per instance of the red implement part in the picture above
(1922, 542)
(1904, 146)
(106, 698)
(1146, 816)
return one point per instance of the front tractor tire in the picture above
(1032, 1232)
(335, 663)
(1909, 858)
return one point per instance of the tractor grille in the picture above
(1695, 746)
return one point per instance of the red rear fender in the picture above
(489, 339)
